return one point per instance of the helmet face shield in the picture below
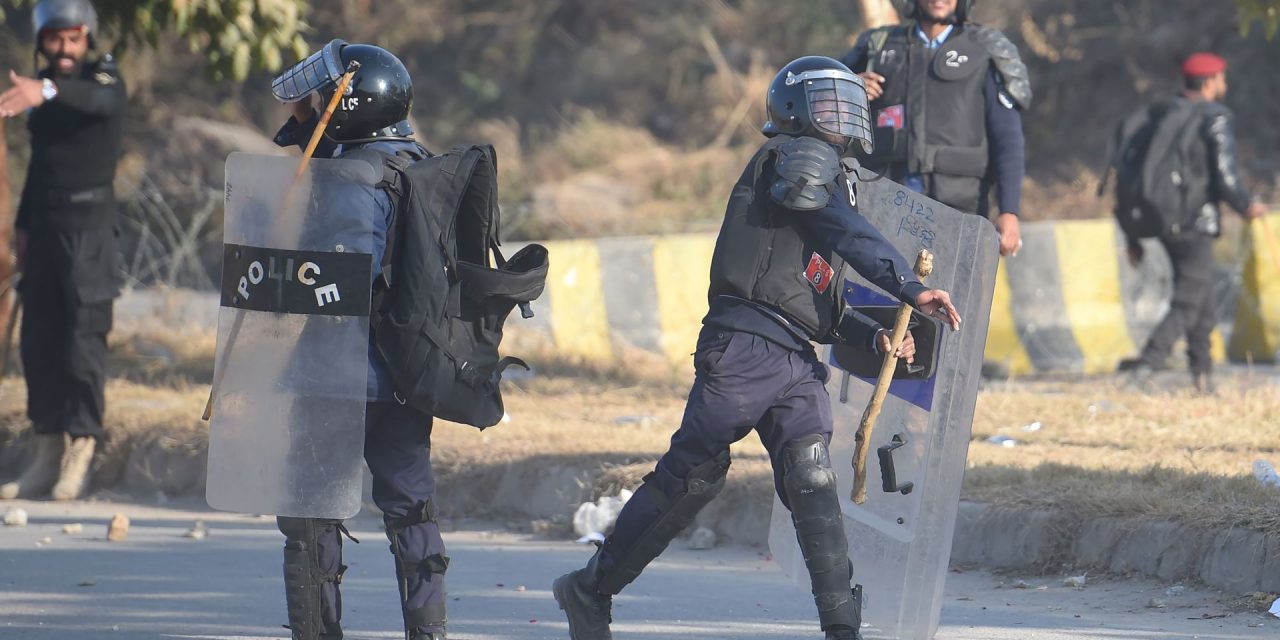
(837, 103)
(320, 71)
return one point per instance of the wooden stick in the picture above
(924, 267)
(234, 333)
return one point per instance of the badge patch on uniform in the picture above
(102, 77)
(1005, 100)
(893, 117)
(819, 273)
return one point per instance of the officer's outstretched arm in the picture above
(808, 181)
(104, 95)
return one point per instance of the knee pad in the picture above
(810, 485)
(676, 512)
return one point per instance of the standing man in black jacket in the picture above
(66, 243)
(1191, 311)
(947, 96)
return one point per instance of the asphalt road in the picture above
(159, 585)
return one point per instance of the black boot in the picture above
(589, 611)
(843, 633)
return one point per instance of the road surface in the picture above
(158, 584)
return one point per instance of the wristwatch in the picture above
(48, 90)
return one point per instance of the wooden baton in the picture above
(924, 267)
(234, 332)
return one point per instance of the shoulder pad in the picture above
(1013, 72)
(366, 166)
(806, 171)
(104, 71)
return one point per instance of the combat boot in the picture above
(589, 611)
(843, 633)
(75, 469)
(42, 472)
(1203, 384)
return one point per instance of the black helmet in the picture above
(818, 95)
(376, 104)
(64, 14)
(964, 8)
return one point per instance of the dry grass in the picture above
(1101, 450)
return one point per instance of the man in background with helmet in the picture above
(66, 243)
(947, 97)
(793, 211)
(371, 122)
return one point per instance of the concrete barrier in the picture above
(1069, 302)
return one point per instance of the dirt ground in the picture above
(1094, 447)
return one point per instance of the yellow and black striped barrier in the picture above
(1069, 302)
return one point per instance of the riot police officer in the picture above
(791, 224)
(947, 96)
(66, 242)
(370, 124)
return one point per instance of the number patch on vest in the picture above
(819, 273)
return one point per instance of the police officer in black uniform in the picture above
(792, 223)
(66, 242)
(946, 102)
(370, 124)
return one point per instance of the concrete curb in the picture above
(544, 491)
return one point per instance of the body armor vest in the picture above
(931, 119)
(762, 254)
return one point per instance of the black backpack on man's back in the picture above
(1156, 184)
(439, 310)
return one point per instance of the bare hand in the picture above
(20, 248)
(1010, 234)
(26, 93)
(936, 303)
(874, 82)
(1255, 210)
(906, 350)
(302, 111)
(1136, 253)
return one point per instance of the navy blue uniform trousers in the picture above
(743, 382)
(397, 446)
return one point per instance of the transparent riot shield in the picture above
(286, 435)
(900, 538)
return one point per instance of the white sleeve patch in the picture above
(1004, 99)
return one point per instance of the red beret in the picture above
(1203, 65)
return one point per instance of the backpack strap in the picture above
(396, 186)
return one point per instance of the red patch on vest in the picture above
(894, 117)
(819, 273)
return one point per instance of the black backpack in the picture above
(439, 309)
(1156, 185)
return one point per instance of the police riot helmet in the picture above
(64, 14)
(376, 104)
(817, 95)
(964, 8)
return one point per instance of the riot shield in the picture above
(286, 435)
(900, 538)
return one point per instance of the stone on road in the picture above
(159, 584)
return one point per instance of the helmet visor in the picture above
(838, 103)
(321, 70)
